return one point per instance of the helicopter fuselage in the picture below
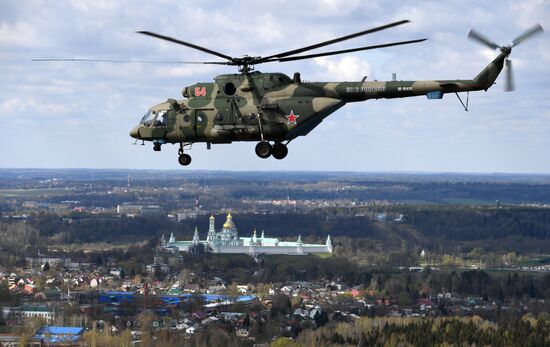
(273, 107)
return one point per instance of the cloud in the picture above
(348, 68)
(17, 107)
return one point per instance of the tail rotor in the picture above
(507, 50)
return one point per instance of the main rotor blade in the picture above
(509, 77)
(330, 42)
(129, 61)
(536, 29)
(309, 56)
(476, 36)
(188, 44)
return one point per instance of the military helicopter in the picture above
(274, 109)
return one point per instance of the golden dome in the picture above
(228, 222)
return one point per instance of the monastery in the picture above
(227, 240)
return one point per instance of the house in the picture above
(287, 289)
(199, 316)
(242, 289)
(28, 289)
(58, 336)
(425, 304)
(181, 326)
(9, 340)
(241, 333)
(115, 272)
(191, 288)
(31, 311)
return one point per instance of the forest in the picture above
(472, 331)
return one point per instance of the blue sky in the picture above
(58, 115)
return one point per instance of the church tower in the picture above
(211, 229)
(329, 244)
(196, 239)
(299, 245)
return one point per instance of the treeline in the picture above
(520, 229)
(277, 268)
(477, 223)
(472, 331)
(433, 192)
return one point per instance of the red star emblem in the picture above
(292, 117)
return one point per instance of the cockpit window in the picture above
(157, 119)
(161, 120)
(148, 118)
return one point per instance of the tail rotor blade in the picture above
(537, 29)
(476, 36)
(509, 77)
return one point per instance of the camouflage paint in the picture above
(219, 113)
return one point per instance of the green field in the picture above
(14, 193)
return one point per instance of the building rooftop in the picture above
(56, 334)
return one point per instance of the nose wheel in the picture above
(184, 159)
(264, 150)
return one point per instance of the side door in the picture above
(187, 126)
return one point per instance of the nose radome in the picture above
(135, 132)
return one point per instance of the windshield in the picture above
(148, 118)
(153, 118)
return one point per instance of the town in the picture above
(85, 257)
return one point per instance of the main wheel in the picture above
(263, 149)
(279, 151)
(184, 159)
(156, 147)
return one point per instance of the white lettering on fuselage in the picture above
(404, 89)
(365, 89)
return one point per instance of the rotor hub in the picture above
(506, 50)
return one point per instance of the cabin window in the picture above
(229, 88)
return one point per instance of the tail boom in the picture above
(434, 89)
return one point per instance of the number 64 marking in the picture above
(200, 91)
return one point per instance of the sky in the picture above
(78, 115)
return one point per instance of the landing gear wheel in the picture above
(279, 151)
(184, 159)
(263, 149)
(156, 147)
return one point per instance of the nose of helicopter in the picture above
(135, 132)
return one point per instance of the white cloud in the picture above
(26, 108)
(347, 68)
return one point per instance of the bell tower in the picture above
(211, 229)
